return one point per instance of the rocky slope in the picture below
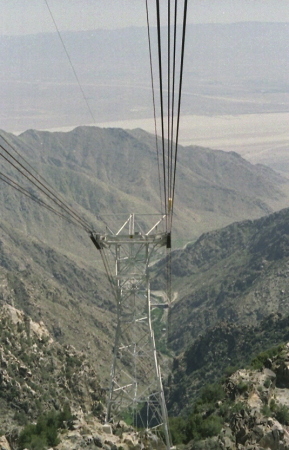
(219, 351)
(238, 274)
(249, 410)
(39, 376)
(75, 302)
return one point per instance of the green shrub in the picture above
(21, 417)
(266, 411)
(242, 387)
(37, 443)
(199, 427)
(178, 429)
(258, 362)
(239, 406)
(228, 371)
(282, 414)
(44, 433)
(211, 426)
(211, 393)
(273, 405)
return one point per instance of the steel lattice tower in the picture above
(135, 386)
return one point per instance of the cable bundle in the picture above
(171, 46)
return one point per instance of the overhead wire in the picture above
(169, 154)
(173, 90)
(41, 186)
(161, 100)
(38, 175)
(170, 145)
(154, 102)
(72, 218)
(174, 95)
(169, 91)
(70, 61)
(180, 95)
(32, 197)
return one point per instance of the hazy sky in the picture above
(32, 16)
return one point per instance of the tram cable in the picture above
(154, 102)
(42, 186)
(168, 86)
(38, 175)
(32, 197)
(180, 96)
(171, 85)
(70, 62)
(161, 100)
(45, 188)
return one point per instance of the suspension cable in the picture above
(154, 102)
(180, 93)
(173, 91)
(169, 91)
(56, 194)
(161, 98)
(44, 189)
(70, 61)
(32, 197)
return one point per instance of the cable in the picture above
(169, 89)
(54, 198)
(154, 103)
(32, 168)
(161, 97)
(173, 92)
(70, 61)
(32, 197)
(51, 198)
(180, 94)
(108, 273)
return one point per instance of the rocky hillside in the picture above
(38, 374)
(248, 410)
(73, 300)
(238, 274)
(217, 352)
(55, 386)
(50, 394)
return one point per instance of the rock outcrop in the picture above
(255, 408)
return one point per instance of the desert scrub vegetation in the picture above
(44, 433)
(206, 419)
(258, 362)
(280, 412)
